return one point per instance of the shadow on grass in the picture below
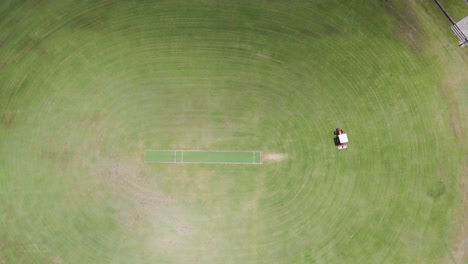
(336, 141)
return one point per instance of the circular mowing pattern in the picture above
(195, 81)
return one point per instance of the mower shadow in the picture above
(337, 142)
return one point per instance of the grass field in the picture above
(86, 87)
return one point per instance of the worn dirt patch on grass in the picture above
(8, 119)
(56, 260)
(275, 157)
(460, 240)
(407, 27)
(452, 91)
(162, 222)
(449, 93)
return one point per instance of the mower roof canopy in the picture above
(343, 138)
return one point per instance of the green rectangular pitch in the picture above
(198, 156)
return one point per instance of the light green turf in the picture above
(87, 86)
(198, 156)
